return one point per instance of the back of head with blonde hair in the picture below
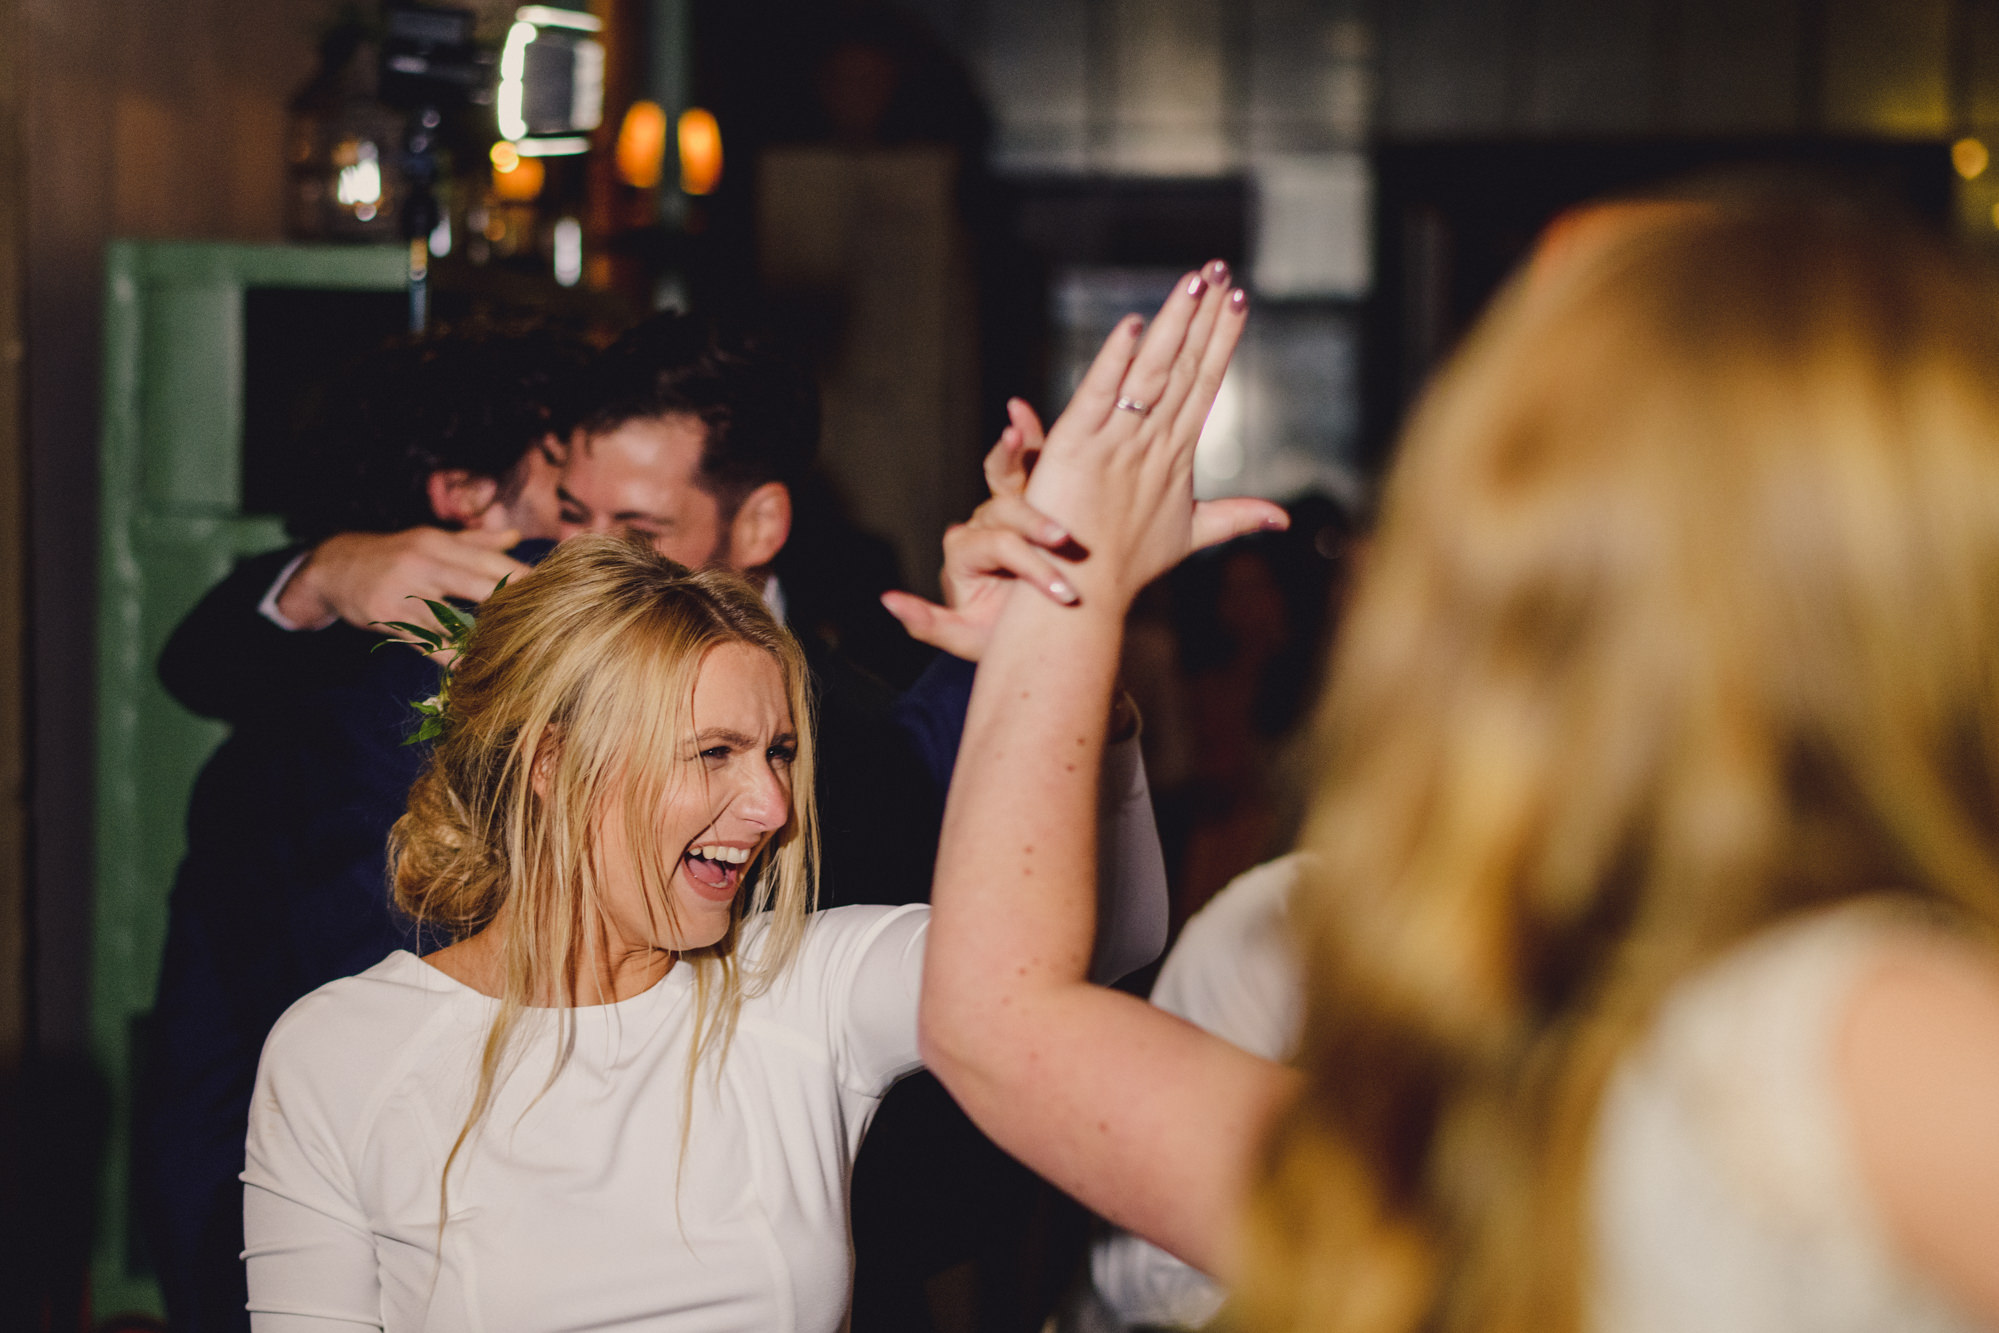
(585, 670)
(1683, 617)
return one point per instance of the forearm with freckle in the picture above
(1146, 1119)
(1014, 899)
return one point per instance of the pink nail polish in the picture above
(1063, 591)
(1196, 285)
(1218, 273)
(1238, 300)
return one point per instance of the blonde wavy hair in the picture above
(585, 669)
(1683, 618)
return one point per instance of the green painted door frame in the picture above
(171, 525)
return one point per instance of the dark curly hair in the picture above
(759, 404)
(475, 399)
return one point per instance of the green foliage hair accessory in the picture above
(456, 633)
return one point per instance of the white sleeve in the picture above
(872, 981)
(308, 1250)
(1144, 1286)
(268, 607)
(1232, 971)
(1131, 869)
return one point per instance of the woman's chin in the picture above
(704, 911)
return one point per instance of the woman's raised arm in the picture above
(1143, 1117)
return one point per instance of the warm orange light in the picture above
(1970, 158)
(642, 145)
(522, 181)
(700, 151)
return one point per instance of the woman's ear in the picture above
(460, 498)
(761, 526)
(546, 754)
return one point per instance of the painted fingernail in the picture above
(1238, 300)
(1134, 325)
(1218, 273)
(1054, 535)
(1196, 285)
(1062, 592)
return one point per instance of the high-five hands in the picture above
(1117, 467)
(1124, 451)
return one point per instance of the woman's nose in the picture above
(765, 798)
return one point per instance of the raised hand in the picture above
(1006, 539)
(1117, 467)
(1010, 462)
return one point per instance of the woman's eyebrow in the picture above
(725, 734)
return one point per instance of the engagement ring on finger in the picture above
(1132, 405)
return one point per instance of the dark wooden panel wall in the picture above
(14, 1009)
(149, 120)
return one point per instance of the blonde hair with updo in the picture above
(1683, 618)
(583, 672)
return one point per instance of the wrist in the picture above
(1077, 647)
(301, 602)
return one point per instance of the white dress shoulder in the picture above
(1726, 1193)
(574, 1206)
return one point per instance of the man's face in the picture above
(641, 478)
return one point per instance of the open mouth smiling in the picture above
(716, 868)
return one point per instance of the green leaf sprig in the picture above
(456, 632)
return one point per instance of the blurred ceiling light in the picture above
(551, 16)
(505, 156)
(568, 252)
(642, 145)
(520, 182)
(1970, 158)
(507, 106)
(359, 183)
(563, 146)
(551, 80)
(700, 151)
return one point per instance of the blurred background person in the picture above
(419, 467)
(1648, 944)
